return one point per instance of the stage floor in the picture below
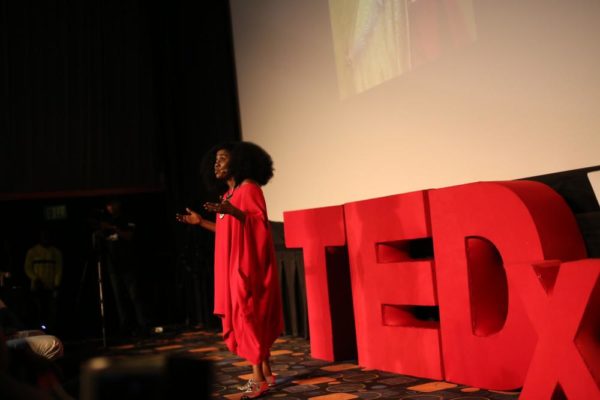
(298, 375)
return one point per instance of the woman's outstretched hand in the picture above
(225, 207)
(191, 218)
(222, 208)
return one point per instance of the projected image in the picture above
(377, 40)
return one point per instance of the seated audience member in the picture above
(17, 337)
(25, 375)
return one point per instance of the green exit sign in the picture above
(53, 213)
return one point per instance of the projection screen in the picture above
(356, 99)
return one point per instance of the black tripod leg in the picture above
(101, 297)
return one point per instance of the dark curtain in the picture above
(197, 94)
(103, 97)
(112, 93)
(79, 107)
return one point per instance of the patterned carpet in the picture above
(298, 375)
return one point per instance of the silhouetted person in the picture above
(18, 336)
(26, 375)
(27, 368)
(122, 265)
(44, 268)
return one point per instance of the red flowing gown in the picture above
(247, 293)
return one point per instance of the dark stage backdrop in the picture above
(80, 101)
(120, 97)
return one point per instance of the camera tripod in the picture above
(96, 243)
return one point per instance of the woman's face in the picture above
(222, 164)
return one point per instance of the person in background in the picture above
(18, 336)
(27, 360)
(44, 268)
(122, 264)
(247, 293)
(26, 375)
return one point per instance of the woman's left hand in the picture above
(226, 207)
(222, 208)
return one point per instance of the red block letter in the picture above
(565, 310)
(478, 229)
(321, 233)
(389, 243)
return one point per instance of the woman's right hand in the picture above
(191, 218)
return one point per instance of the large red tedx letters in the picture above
(563, 301)
(490, 345)
(488, 333)
(325, 228)
(388, 284)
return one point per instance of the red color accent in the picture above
(47, 381)
(247, 293)
(525, 221)
(489, 298)
(388, 282)
(564, 311)
(436, 27)
(316, 231)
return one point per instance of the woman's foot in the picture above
(246, 385)
(255, 390)
(270, 381)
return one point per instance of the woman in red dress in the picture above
(247, 294)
